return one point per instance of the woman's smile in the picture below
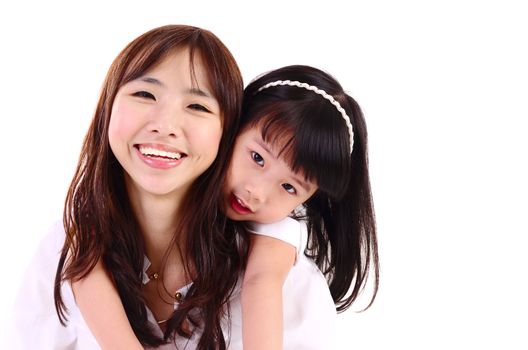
(159, 156)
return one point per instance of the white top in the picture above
(287, 230)
(309, 311)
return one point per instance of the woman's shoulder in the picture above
(43, 266)
(53, 240)
(46, 256)
(34, 306)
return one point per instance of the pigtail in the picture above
(342, 232)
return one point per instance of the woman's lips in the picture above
(159, 152)
(159, 158)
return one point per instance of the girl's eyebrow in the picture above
(300, 181)
(264, 145)
(303, 184)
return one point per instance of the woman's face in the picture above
(260, 186)
(164, 130)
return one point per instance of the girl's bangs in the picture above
(310, 147)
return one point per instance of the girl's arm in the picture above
(269, 262)
(103, 311)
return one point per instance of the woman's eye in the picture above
(199, 107)
(257, 158)
(289, 188)
(144, 94)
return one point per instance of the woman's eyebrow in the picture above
(191, 91)
(199, 92)
(151, 80)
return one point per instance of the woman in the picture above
(147, 185)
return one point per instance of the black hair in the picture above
(314, 139)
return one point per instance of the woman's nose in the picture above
(168, 121)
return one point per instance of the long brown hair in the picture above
(98, 219)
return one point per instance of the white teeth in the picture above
(149, 151)
(240, 202)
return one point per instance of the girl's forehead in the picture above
(274, 142)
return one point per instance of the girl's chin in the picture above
(232, 215)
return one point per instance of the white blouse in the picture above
(308, 308)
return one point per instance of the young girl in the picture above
(147, 185)
(302, 142)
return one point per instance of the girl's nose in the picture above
(257, 193)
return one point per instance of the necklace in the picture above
(178, 296)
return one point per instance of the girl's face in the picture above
(164, 130)
(260, 186)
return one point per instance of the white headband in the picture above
(323, 94)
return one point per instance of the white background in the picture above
(443, 85)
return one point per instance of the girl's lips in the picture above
(237, 207)
(159, 162)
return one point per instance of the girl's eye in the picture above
(257, 158)
(199, 107)
(289, 188)
(144, 94)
